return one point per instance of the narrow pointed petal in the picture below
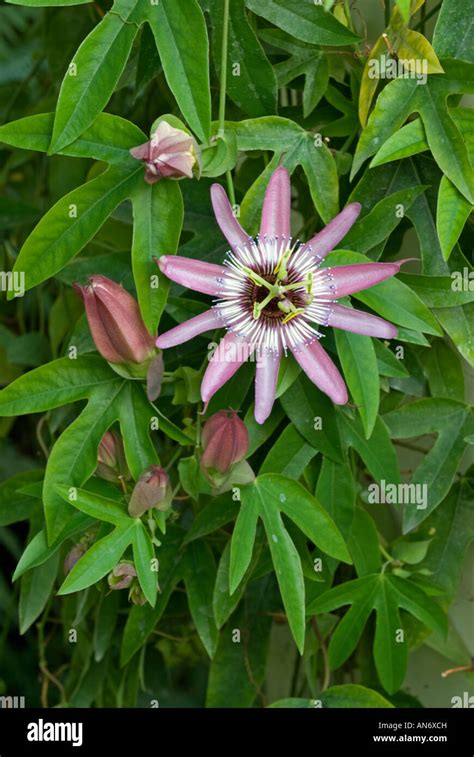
(228, 224)
(226, 360)
(327, 239)
(277, 205)
(141, 152)
(193, 274)
(348, 279)
(100, 335)
(265, 385)
(189, 329)
(320, 369)
(360, 322)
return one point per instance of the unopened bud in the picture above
(225, 441)
(73, 556)
(170, 153)
(152, 490)
(122, 575)
(116, 326)
(111, 463)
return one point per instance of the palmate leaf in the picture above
(401, 98)
(269, 497)
(105, 553)
(384, 594)
(305, 60)
(296, 147)
(453, 422)
(74, 456)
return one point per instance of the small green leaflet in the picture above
(384, 594)
(268, 498)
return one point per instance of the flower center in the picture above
(274, 296)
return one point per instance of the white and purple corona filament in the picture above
(272, 294)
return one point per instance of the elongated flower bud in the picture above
(73, 556)
(122, 575)
(151, 490)
(170, 153)
(111, 458)
(115, 322)
(225, 441)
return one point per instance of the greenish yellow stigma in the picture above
(278, 290)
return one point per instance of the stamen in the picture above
(257, 280)
(293, 314)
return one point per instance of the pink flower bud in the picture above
(225, 441)
(73, 556)
(122, 575)
(115, 322)
(169, 153)
(111, 458)
(151, 490)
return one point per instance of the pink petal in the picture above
(228, 224)
(189, 329)
(348, 279)
(360, 322)
(193, 274)
(265, 385)
(277, 205)
(327, 239)
(320, 369)
(141, 152)
(228, 357)
(177, 164)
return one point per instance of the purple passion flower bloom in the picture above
(271, 294)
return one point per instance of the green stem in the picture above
(387, 13)
(427, 17)
(423, 18)
(222, 91)
(230, 187)
(385, 553)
